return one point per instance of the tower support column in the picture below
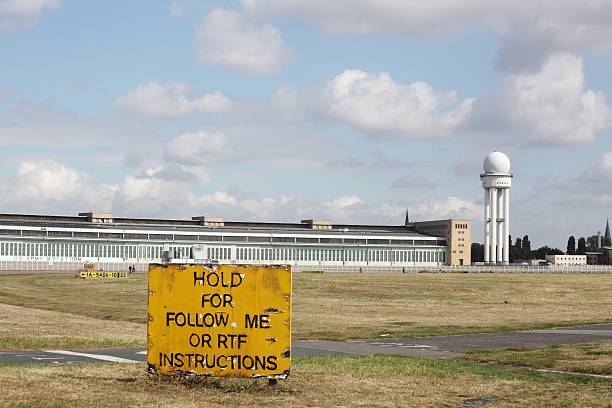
(487, 225)
(507, 242)
(500, 224)
(494, 201)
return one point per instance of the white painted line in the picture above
(142, 352)
(94, 356)
(47, 358)
(423, 346)
(544, 370)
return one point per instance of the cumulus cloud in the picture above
(48, 186)
(428, 208)
(529, 31)
(18, 14)
(551, 106)
(195, 148)
(587, 188)
(530, 36)
(378, 103)
(171, 100)
(227, 39)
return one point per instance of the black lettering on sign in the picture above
(195, 360)
(235, 340)
(215, 279)
(271, 360)
(257, 321)
(181, 319)
(216, 300)
(202, 340)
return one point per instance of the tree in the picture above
(541, 252)
(592, 243)
(581, 250)
(477, 252)
(518, 249)
(571, 245)
(526, 248)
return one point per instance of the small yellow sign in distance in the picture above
(219, 320)
(102, 275)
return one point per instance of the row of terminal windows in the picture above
(65, 250)
(216, 238)
(461, 226)
(336, 255)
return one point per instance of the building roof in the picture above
(84, 220)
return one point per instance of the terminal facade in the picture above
(100, 237)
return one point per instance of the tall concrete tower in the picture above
(496, 181)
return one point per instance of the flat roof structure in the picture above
(103, 237)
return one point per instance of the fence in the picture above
(19, 266)
(460, 269)
(143, 267)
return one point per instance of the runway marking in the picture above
(47, 358)
(142, 352)
(94, 356)
(415, 346)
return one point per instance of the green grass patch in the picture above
(592, 358)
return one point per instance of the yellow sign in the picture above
(219, 320)
(98, 275)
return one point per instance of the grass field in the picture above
(379, 381)
(57, 310)
(592, 358)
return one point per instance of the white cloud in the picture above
(50, 186)
(551, 106)
(229, 40)
(47, 186)
(18, 14)
(529, 31)
(570, 26)
(378, 103)
(427, 208)
(379, 16)
(195, 148)
(171, 100)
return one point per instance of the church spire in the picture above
(608, 238)
(407, 219)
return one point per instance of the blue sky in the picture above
(280, 110)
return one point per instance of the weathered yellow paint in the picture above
(102, 275)
(200, 327)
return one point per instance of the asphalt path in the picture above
(432, 347)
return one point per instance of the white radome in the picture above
(497, 162)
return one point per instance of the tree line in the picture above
(585, 245)
(521, 248)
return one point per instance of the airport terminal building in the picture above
(64, 242)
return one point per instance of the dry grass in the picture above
(594, 358)
(319, 382)
(341, 306)
(25, 328)
(114, 299)
(325, 306)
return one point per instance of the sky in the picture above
(280, 110)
